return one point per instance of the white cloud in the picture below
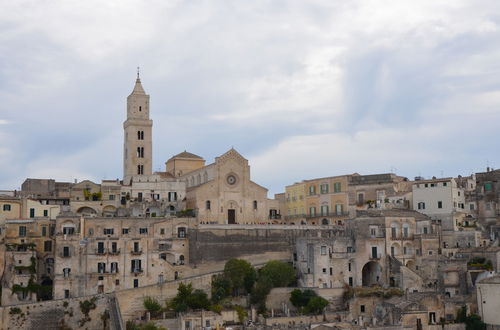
(359, 81)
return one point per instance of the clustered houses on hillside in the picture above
(434, 240)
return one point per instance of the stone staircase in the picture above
(116, 322)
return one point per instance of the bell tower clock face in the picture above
(231, 179)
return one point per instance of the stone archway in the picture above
(411, 264)
(86, 211)
(372, 274)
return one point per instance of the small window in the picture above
(487, 186)
(324, 188)
(44, 231)
(162, 231)
(362, 308)
(45, 213)
(6, 207)
(22, 231)
(255, 205)
(66, 294)
(445, 184)
(337, 187)
(143, 230)
(32, 212)
(136, 283)
(207, 205)
(323, 250)
(66, 251)
(111, 197)
(109, 231)
(324, 270)
(125, 231)
(440, 204)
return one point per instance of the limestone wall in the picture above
(52, 314)
(217, 243)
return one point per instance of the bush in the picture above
(242, 313)
(316, 305)
(152, 305)
(221, 288)
(187, 299)
(300, 298)
(216, 308)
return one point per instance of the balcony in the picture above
(328, 215)
(372, 256)
(136, 271)
(100, 252)
(275, 217)
(114, 252)
(64, 255)
(136, 252)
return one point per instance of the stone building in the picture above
(488, 300)
(10, 207)
(223, 192)
(99, 255)
(382, 191)
(387, 248)
(320, 201)
(28, 253)
(488, 198)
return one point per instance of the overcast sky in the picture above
(303, 89)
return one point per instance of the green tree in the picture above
(260, 292)
(280, 273)
(187, 298)
(316, 305)
(152, 305)
(180, 301)
(240, 274)
(300, 298)
(198, 300)
(221, 288)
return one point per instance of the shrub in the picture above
(316, 305)
(152, 305)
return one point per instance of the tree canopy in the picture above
(240, 274)
(280, 273)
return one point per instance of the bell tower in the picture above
(138, 151)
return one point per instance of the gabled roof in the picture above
(186, 154)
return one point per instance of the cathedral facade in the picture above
(221, 192)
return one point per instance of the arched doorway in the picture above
(372, 274)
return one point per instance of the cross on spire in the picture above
(138, 69)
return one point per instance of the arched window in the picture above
(66, 272)
(181, 260)
(324, 222)
(255, 205)
(207, 205)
